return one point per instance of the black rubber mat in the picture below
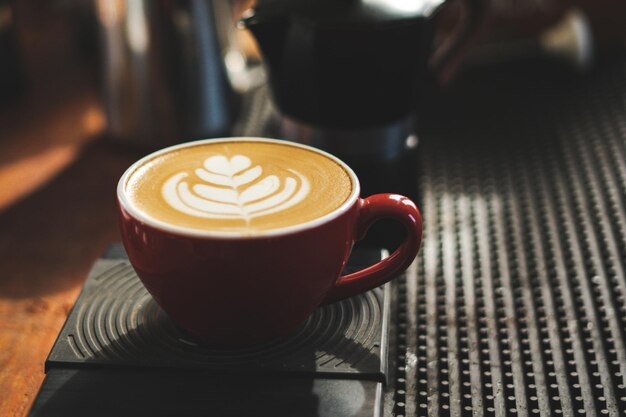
(517, 304)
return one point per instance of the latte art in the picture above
(237, 186)
(232, 188)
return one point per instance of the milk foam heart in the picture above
(238, 186)
(232, 190)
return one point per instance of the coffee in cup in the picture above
(240, 239)
(243, 187)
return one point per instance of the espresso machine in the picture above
(345, 74)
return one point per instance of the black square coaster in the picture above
(115, 324)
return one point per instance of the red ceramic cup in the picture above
(235, 290)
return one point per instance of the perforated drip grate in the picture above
(519, 293)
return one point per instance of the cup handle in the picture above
(371, 209)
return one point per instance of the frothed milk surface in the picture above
(241, 186)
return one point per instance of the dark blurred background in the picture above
(69, 81)
(66, 80)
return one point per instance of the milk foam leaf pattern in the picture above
(209, 192)
(228, 167)
(262, 189)
(233, 188)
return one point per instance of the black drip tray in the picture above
(119, 348)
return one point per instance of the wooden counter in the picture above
(57, 204)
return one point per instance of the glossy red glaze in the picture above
(374, 208)
(235, 291)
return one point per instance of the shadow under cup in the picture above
(230, 290)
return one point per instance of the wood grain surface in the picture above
(57, 197)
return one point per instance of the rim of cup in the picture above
(186, 231)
